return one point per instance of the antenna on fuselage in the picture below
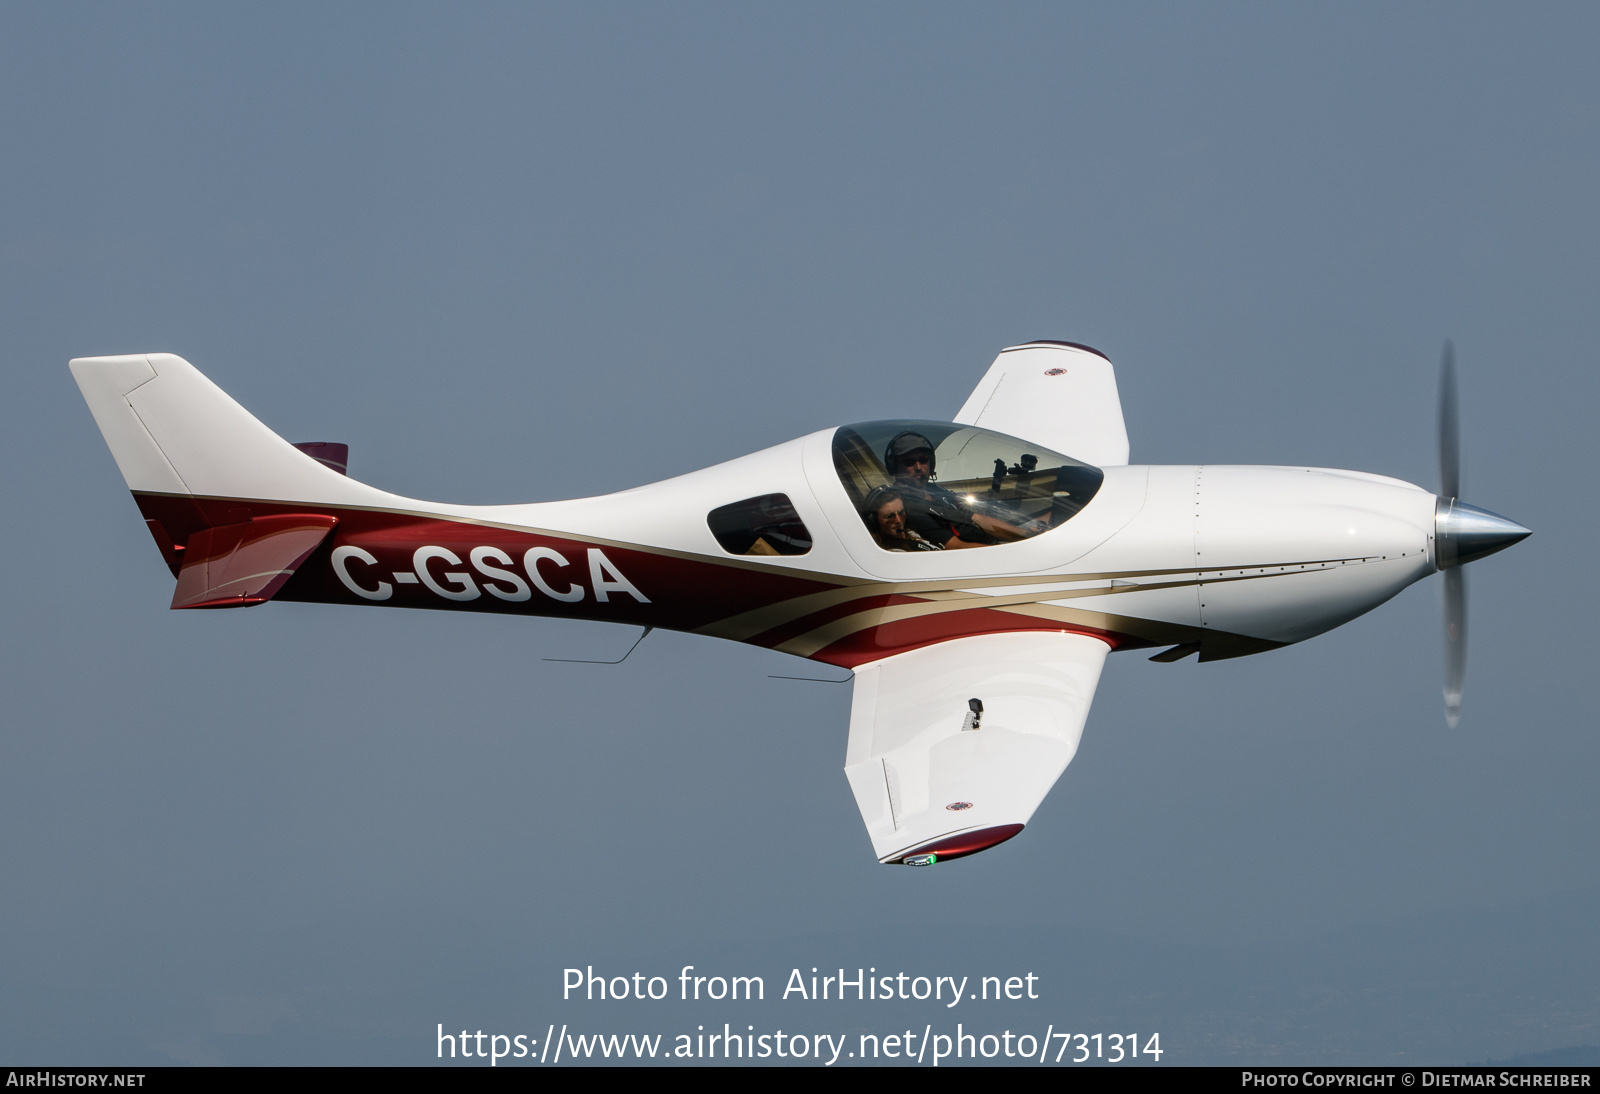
(618, 661)
(813, 679)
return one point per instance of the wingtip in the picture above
(957, 846)
(1058, 342)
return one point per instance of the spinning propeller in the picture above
(1462, 533)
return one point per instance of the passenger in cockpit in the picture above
(885, 513)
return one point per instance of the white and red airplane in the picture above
(971, 573)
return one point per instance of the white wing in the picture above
(926, 785)
(1054, 394)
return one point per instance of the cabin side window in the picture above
(767, 525)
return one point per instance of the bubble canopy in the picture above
(954, 486)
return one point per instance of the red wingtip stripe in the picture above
(966, 843)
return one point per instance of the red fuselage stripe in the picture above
(403, 560)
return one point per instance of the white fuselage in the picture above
(1237, 558)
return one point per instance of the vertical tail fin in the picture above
(172, 431)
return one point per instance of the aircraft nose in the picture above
(1465, 533)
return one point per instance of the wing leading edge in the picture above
(1054, 394)
(932, 785)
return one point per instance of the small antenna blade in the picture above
(618, 661)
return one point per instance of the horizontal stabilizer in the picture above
(330, 454)
(236, 565)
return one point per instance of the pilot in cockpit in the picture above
(932, 512)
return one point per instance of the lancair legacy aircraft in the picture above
(972, 573)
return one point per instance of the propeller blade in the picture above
(1449, 426)
(1455, 643)
(1455, 588)
(1462, 533)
